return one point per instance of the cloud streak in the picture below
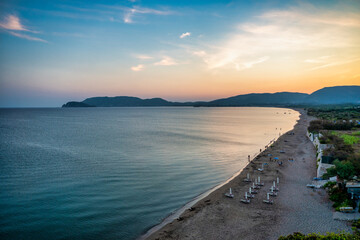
(187, 34)
(250, 64)
(12, 24)
(27, 37)
(166, 61)
(318, 60)
(282, 32)
(334, 64)
(138, 68)
(130, 13)
(143, 57)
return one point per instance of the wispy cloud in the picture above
(166, 61)
(187, 34)
(282, 32)
(11, 23)
(130, 13)
(250, 64)
(106, 12)
(143, 57)
(199, 53)
(332, 64)
(24, 36)
(321, 59)
(138, 68)
(314, 16)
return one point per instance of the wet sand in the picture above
(296, 208)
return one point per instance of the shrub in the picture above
(314, 236)
(348, 139)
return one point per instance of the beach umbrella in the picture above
(276, 158)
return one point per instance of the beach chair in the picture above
(272, 193)
(267, 200)
(262, 167)
(229, 194)
(246, 200)
(259, 183)
(247, 179)
(252, 191)
(274, 188)
(255, 186)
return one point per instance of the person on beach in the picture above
(249, 158)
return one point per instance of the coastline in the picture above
(175, 215)
(213, 216)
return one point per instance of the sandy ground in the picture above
(295, 209)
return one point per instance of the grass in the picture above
(356, 133)
(350, 139)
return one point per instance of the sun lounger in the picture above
(229, 194)
(247, 179)
(252, 191)
(272, 193)
(259, 183)
(267, 200)
(246, 200)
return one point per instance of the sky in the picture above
(56, 51)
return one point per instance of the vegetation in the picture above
(339, 150)
(342, 169)
(335, 112)
(344, 150)
(347, 163)
(356, 133)
(315, 236)
(329, 236)
(318, 125)
(356, 227)
(350, 139)
(338, 194)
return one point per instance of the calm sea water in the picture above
(112, 173)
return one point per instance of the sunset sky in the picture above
(52, 52)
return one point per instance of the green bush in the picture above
(346, 203)
(356, 133)
(356, 227)
(343, 169)
(330, 172)
(329, 185)
(315, 236)
(339, 196)
(348, 139)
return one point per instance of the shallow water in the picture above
(112, 173)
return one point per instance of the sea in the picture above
(113, 173)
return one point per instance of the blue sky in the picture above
(56, 51)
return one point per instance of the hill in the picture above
(126, 102)
(336, 95)
(76, 104)
(328, 95)
(261, 99)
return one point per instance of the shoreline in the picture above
(178, 213)
(213, 216)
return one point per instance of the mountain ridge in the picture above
(327, 95)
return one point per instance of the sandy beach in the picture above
(295, 209)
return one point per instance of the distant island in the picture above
(327, 95)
